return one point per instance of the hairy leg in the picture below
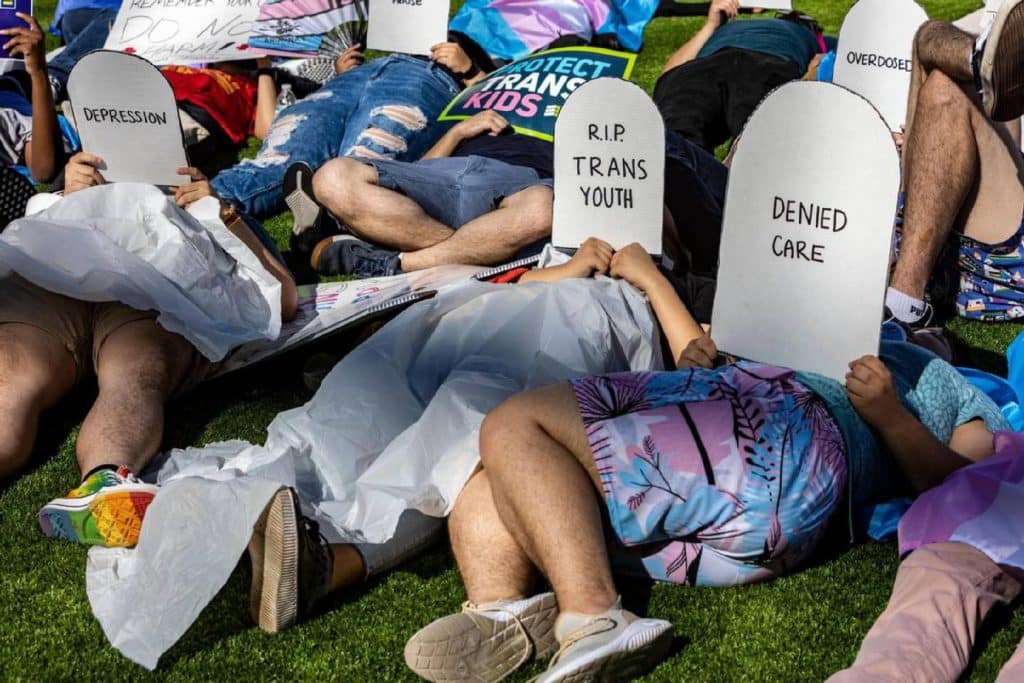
(543, 478)
(938, 45)
(492, 565)
(35, 372)
(520, 220)
(138, 367)
(961, 172)
(348, 189)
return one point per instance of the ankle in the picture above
(905, 307)
(570, 620)
(348, 568)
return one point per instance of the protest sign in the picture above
(874, 57)
(530, 92)
(134, 127)
(9, 10)
(807, 231)
(609, 167)
(294, 28)
(184, 31)
(411, 27)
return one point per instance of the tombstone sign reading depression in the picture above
(184, 31)
(874, 57)
(133, 127)
(807, 231)
(411, 27)
(609, 167)
(530, 92)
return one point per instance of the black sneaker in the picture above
(998, 63)
(311, 222)
(348, 255)
(292, 564)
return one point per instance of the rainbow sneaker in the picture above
(106, 509)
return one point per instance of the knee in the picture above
(145, 372)
(928, 32)
(941, 91)
(534, 208)
(503, 427)
(338, 183)
(24, 374)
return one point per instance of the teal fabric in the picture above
(777, 37)
(931, 389)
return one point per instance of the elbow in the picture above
(289, 299)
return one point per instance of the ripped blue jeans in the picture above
(386, 109)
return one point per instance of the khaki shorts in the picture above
(81, 327)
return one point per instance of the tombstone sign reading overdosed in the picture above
(874, 57)
(807, 231)
(411, 27)
(134, 127)
(184, 31)
(530, 92)
(609, 167)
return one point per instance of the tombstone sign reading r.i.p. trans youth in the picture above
(125, 113)
(609, 167)
(874, 56)
(807, 231)
(408, 26)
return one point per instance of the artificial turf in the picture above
(803, 627)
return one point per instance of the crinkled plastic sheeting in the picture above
(393, 427)
(129, 242)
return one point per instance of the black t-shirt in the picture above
(515, 149)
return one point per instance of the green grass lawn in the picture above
(800, 628)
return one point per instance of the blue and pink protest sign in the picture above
(530, 93)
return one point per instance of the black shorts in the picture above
(709, 100)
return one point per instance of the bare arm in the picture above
(484, 123)
(266, 101)
(289, 290)
(44, 150)
(925, 460)
(721, 11)
(593, 257)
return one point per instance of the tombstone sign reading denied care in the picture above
(184, 31)
(806, 232)
(411, 27)
(134, 127)
(609, 167)
(874, 56)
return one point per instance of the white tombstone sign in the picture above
(174, 32)
(874, 57)
(134, 127)
(411, 27)
(609, 167)
(807, 231)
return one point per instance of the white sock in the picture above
(904, 307)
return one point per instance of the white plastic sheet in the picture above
(393, 427)
(129, 242)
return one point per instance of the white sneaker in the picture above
(486, 642)
(609, 647)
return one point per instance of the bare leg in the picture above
(349, 190)
(1014, 669)
(348, 569)
(543, 478)
(962, 172)
(938, 45)
(138, 368)
(942, 594)
(35, 372)
(520, 220)
(492, 565)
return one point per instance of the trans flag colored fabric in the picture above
(981, 505)
(510, 29)
(294, 28)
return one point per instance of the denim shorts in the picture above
(456, 190)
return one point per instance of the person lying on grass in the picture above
(716, 474)
(50, 344)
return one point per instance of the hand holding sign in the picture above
(609, 167)
(807, 230)
(411, 27)
(133, 130)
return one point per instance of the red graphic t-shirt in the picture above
(229, 99)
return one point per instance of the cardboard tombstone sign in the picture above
(184, 32)
(411, 27)
(133, 127)
(807, 231)
(530, 92)
(9, 18)
(609, 167)
(874, 57)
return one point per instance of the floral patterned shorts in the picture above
(713, 477)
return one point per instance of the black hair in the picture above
(805, 20)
